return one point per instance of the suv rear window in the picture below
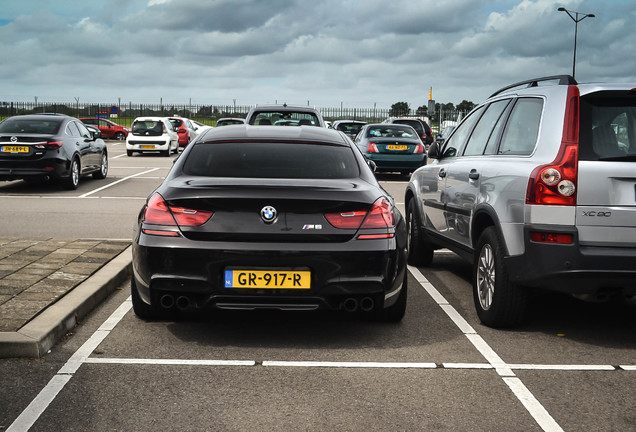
(287, 118)
(271, 160)
(608, 126)
(148, 128)
(413, 123)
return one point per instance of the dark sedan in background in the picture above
(392, 147)
(50, 146)
(270, 217)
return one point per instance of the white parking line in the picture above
(350, 364)
(179, 362)
(117, 182)
(35, 409)
(534, 407)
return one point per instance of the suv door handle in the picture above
(474, 175)
(442, 173)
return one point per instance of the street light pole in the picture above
(576, 20)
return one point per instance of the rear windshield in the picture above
(229, 122)
(176, 122)
(17, 125)
(350, 128)
(413, 123)
(272, 160)
(608, 126)
(147, 128)
(391, 131)
(287, 118)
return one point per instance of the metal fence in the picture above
(208, 114)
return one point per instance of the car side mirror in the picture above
(433, 151)
(372, 165)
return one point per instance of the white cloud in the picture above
(355, 52)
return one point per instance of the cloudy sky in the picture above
(358, 53)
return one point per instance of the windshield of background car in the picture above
(176, 122)
(229, 122)
(287, 118)
(272, 160)
(413, 123)
(147, 128)
(46, 127)
(350, 128)
(608, 126)
(391, 131)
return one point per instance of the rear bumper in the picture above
(16, 170)
(137, 145)
(573, 268)
(389, 162)
(338, 273)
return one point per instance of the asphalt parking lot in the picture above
(572, 367)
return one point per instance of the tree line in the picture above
(403, 108)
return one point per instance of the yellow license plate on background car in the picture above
(396, 147)
(147, 147)
(268, 279)
(14, 149)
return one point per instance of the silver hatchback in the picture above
(537, 187)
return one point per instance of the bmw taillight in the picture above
(380, 216)
(555, 183)
(158, 212)
(372, 148)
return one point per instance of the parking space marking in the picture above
(521, 392)
(350, 364)
(117, 182)
(532, 405)
(178, 362)
(31, 413)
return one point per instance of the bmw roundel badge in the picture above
(269, 214)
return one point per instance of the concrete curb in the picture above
(36, 337)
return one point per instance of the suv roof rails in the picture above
(563, 80)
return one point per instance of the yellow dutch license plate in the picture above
(268, 279)
(147, 147)
(15, 149)
(396, 147)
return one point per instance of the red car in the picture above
(184, 129)
(109, 129)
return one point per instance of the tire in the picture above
(129, 152)
(499, 302)
(395, 312)
(141, 309)
(73, 179)
(418, 253)
(103, 168)
(119, 136)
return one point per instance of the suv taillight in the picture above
(555, 183)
